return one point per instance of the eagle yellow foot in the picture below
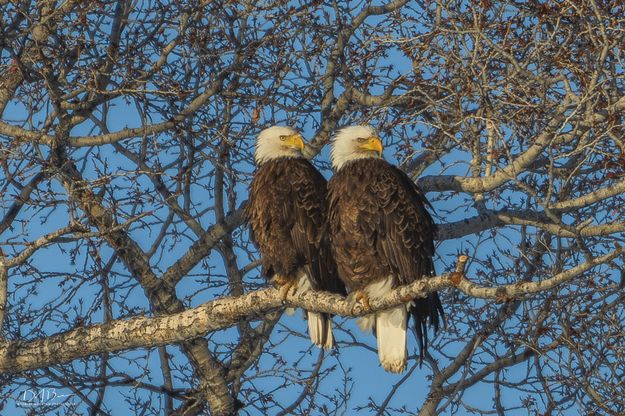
(279, 280)
(363, 298)
(284, 285)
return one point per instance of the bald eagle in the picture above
(286, 210)
(382, 237)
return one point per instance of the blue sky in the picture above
(205, 282)
(360, 364)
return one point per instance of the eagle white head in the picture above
(355, 142)
(278, 141)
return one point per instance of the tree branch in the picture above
(144, 332)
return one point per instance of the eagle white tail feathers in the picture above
(390, 328)
(319, 324)
(366, 323)
(320, 330)
(374, 290)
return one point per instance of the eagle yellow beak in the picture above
(295, 141)
(373, 144)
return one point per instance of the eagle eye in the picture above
(283, 138)
(361, 139)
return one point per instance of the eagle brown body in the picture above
(381, 231)
(287, 214)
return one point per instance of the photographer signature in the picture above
(42, 397)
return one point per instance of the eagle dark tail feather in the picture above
(432, 308)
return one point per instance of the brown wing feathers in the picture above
(393, 232)
(377, 216)
(287, 210)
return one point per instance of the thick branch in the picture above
(144, 332)
(162, 297)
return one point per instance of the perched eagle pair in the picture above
(366, 230)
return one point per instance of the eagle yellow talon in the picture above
(362, 297)
(279, 280)
(286, 287)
